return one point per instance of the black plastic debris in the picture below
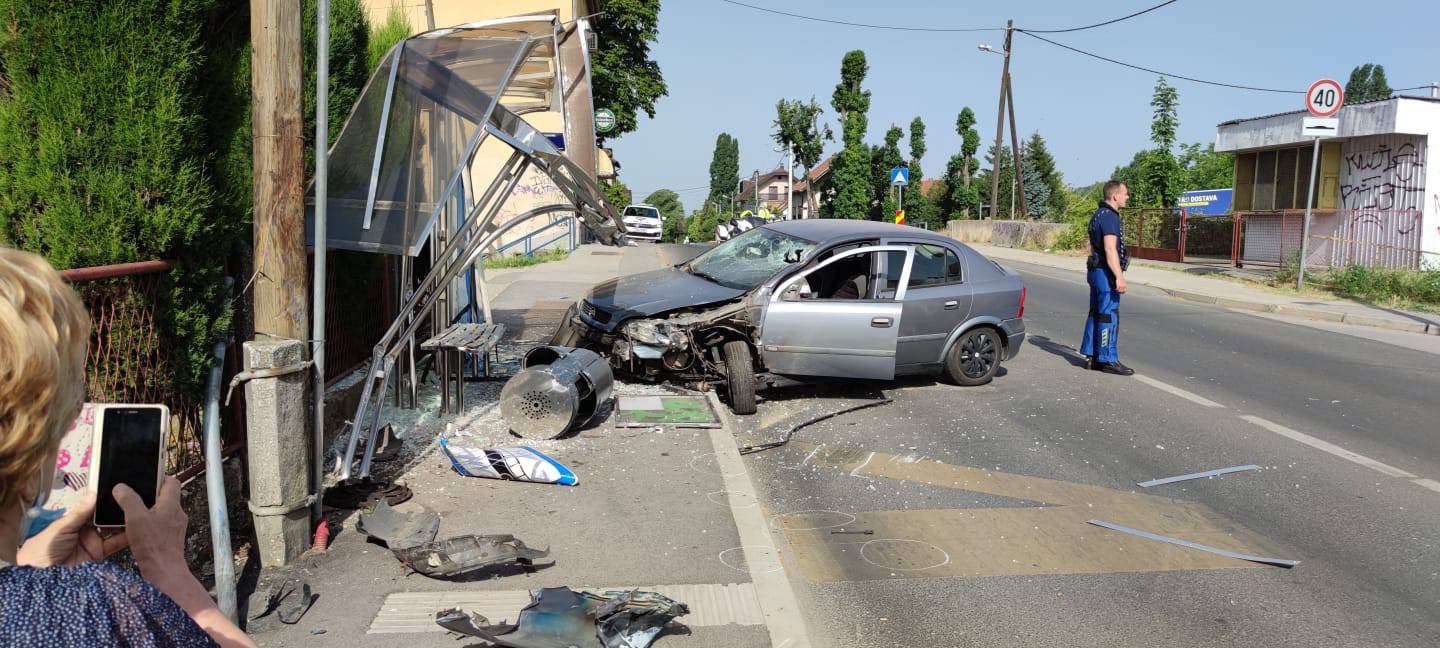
(399, 530)
(558, 617)
(290, 608)
(468, 553)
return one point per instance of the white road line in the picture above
(1428, 483)
(772, 588)
(1190, 396)
(1332, 449)
(867, 462)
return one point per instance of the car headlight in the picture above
(656, 333)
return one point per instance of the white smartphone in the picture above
(129, 448)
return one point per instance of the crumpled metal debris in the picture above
(558, 617)
(399, 530)
(467, 553)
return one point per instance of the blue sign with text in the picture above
(1206, 202)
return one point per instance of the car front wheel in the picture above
(739, 376)
(975, 357)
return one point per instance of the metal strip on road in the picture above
(710, 605)
(1209, 473)
(1331, 448)
(1278, 562)
(1170, 389)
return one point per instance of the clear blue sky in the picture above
(727, 65)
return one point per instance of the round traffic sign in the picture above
(604, 120)
(1324, 98)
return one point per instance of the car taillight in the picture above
(1022, 303)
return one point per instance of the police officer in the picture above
(1105, 271)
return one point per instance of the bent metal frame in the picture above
(432, 92)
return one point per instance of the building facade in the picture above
(1375, 184)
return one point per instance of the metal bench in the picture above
(451, 346)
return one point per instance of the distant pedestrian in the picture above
(1105, 271)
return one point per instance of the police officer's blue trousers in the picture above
(1102, 326)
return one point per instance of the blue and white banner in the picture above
(1206, 202)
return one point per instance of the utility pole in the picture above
(1000, 123)
(789, 182)
(429, 15)
(755, 185)
(276, 443)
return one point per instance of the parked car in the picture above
(807, 300)
(643, 222)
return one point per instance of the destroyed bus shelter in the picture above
(404, 172)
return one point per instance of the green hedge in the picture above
(125, 136)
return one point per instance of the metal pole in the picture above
(322, 181)
(1000, 124)
(790, 183)
(1305, 231)
(215, 483)
(429, 15)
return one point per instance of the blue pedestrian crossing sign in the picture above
(899, 176)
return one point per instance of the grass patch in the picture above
(522, 261)
(1417, 290)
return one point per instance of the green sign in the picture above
(604, 120)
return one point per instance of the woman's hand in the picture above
(157, 534)
(70, 540)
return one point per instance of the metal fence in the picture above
(1338, 238)
(128, 360)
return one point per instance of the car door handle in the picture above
(881, 322)
(952, 305)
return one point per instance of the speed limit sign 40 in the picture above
(1324, 98)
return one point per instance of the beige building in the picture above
(527, 95)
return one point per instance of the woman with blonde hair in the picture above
(57, 589)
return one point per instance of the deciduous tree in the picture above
(850, 175)
(624, 77)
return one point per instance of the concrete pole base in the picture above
(278, 451)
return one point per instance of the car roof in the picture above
(829, 229)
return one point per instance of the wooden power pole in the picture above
(281, 293)
(277, 446)
(1000, 124)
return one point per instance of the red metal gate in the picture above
(1157, 234)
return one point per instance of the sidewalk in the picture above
(1232, 294)
(652, 508)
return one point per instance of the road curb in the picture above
(1386, 323)
(773, 589)
(1309, 313)
(1241, 304)
(1185, 295)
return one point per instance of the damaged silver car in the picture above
(802, 301)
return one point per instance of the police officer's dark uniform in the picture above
(1102, 326)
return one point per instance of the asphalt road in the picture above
(976, 500)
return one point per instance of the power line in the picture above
(1154, 71)
(869, 26)
(1108, 22)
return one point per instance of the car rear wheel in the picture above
(975, 357)
(739, 376)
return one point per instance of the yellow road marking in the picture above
(1049, 539)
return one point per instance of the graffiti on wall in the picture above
(1384, 177)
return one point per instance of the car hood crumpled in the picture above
(651, 293)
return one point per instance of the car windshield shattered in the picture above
(746, 261)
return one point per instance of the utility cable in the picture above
(1108, 22)
(1154, 71)
(751, 449)
(855, 24)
